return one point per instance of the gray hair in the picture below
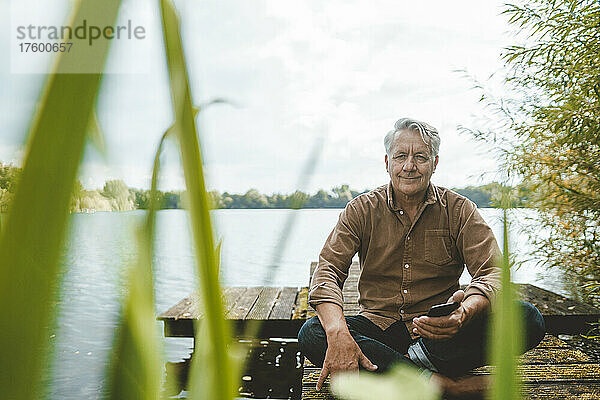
(423, 128)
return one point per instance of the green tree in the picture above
(140, 198)
(9, 176)
(170, 200)
(118, 194)
(548, 132)
(254, 199)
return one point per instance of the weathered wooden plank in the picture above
(557, 390)
(552, 373)
(301, 306)
(558, 304)
(551, 341)
(531, 390)
(264, 303)
(189, 307)
(232, 295)
(242, 306)
(177, 309)
(285, 304)
(554, 355)
(310, 378)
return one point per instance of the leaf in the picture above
(33, 236)
(506, 331)
(399, 383)
(214, 373)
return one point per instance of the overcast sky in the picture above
(342, 71)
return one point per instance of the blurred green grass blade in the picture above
(507, 332)
(135, 369)
(213, 374)
(399, 383)
(33, 236)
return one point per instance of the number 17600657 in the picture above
(45, 47)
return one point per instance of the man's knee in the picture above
(535, 328)
(312, 340)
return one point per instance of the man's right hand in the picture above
(343, 354)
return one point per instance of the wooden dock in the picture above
(281, 310)
(550, 371)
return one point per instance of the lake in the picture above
(102, 244)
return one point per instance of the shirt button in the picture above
(401, 311)
(408, 238)
(405, 291)
(406, 265)
(401, 212)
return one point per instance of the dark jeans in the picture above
(451, 357)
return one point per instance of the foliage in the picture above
(9, 176)
(118, 193)
(547, 130)
(400, 382)
(506, 329)
(214, 371)
(33, 234)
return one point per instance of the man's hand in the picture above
(343, 354)
(445, 327)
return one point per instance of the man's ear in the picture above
(386, 163)
(435, 163)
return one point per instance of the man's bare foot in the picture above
(471, 387)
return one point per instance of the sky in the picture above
(296, 74)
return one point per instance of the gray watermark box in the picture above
(41, 33)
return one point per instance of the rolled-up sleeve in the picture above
(335, 259)
(480, 252)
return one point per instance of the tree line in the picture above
(116, 196)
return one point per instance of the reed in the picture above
(506, 329)
(214, 370)
(34, 231)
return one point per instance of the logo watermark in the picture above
(83, 31)
(39, 35)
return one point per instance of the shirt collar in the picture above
(431, 196)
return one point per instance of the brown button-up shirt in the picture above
(407, 267)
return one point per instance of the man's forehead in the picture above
(409, 139)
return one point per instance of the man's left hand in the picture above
(438, 328)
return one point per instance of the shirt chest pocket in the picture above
(438, 246)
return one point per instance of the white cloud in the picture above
(299, 71)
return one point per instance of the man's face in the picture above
(410, 164)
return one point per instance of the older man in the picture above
(413, 240)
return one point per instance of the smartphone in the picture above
(441, 310)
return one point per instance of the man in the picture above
(413, 240)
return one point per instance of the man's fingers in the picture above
(439, 329)
(430, 335)
(436, 322)
(457, 296)
(366, 363)
(322, 377)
